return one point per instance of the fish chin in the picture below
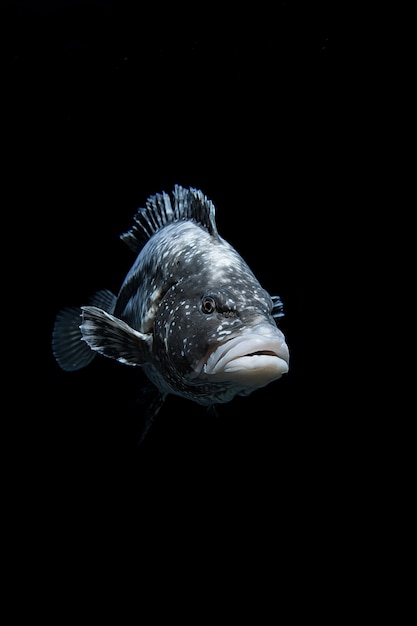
(252, 360)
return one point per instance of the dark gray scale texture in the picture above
(177, 267)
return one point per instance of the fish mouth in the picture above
(253, 359)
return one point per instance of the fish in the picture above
(190, 312)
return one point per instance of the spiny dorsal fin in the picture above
(162, 209)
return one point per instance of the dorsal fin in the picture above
(162, 209)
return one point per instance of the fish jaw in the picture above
(252, 360)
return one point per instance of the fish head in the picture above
(220, 336)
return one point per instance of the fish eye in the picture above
(208, 305)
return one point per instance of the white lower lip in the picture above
(236, 356)
(274, 364)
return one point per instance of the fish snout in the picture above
(253, 359)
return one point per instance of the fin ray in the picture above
(162, 209)
(113, 338)
(70, 352)
(103, 299)
(152, 399)
(277, 307)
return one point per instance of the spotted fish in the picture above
(190, 311)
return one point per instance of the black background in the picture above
(106, 104)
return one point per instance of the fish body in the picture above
(190, 311)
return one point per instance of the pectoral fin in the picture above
(113, 338)
(277, 307)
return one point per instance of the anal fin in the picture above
(152, 400)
